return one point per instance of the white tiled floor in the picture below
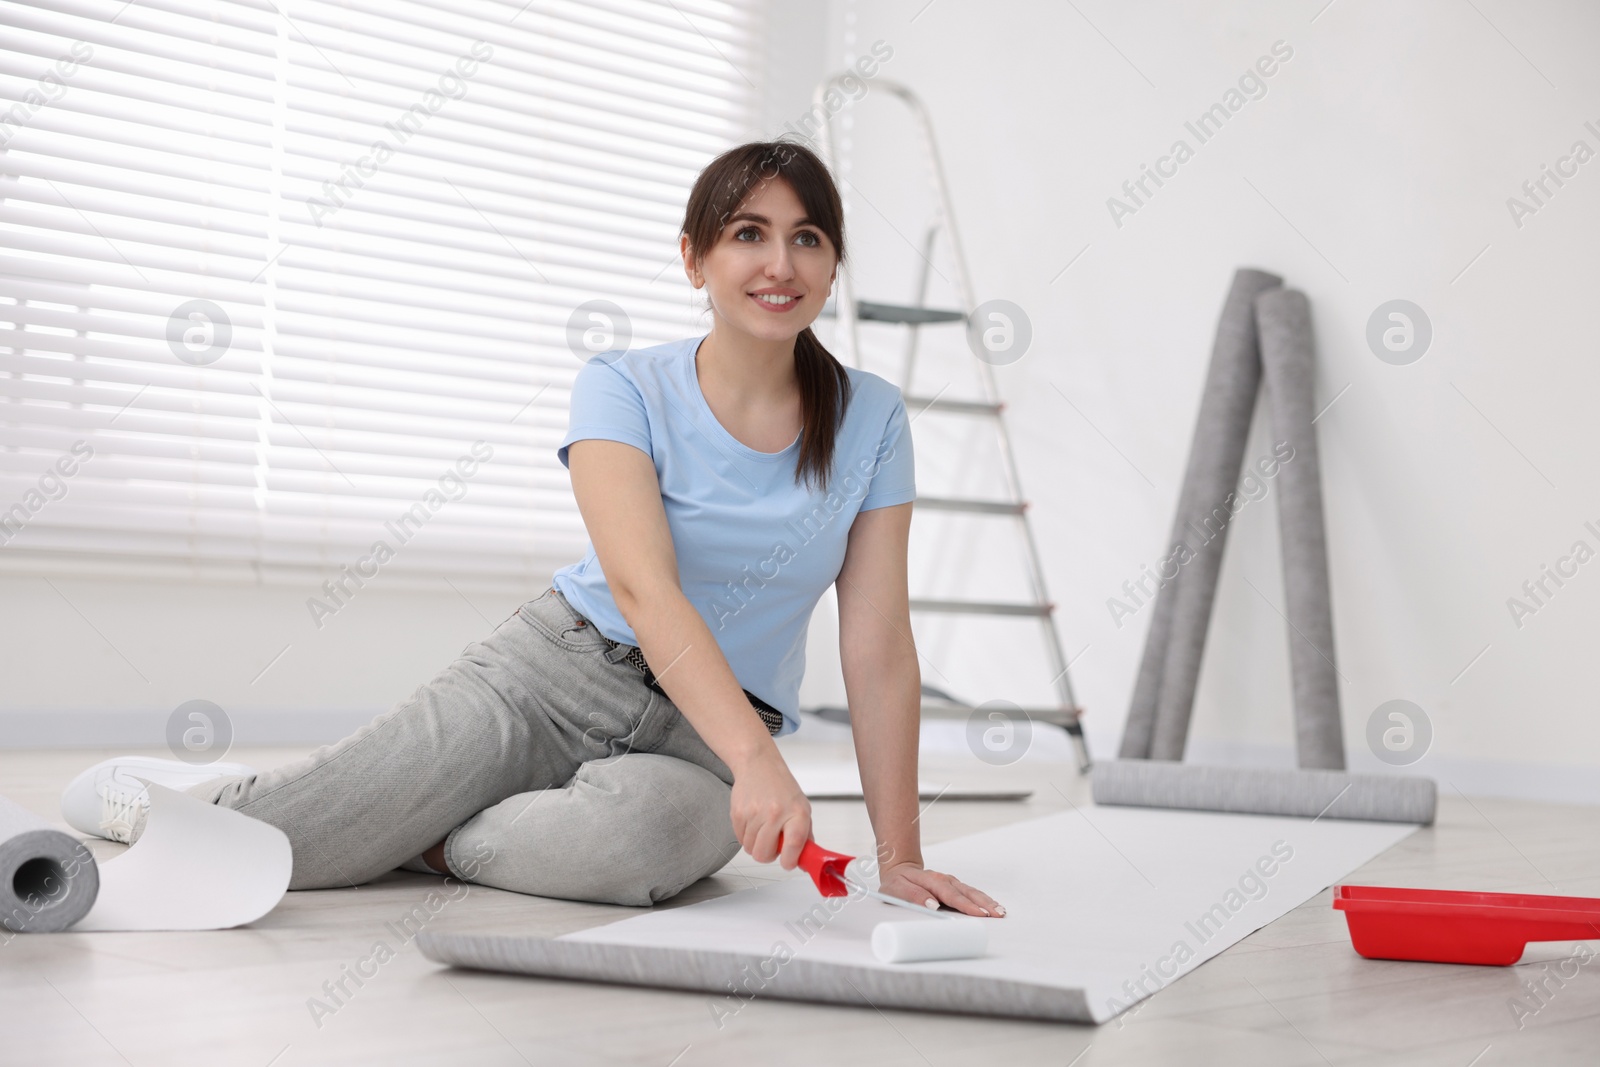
(1294, 993)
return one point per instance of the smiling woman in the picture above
(613, 740)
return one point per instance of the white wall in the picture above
(105, 662)
(1376, 166)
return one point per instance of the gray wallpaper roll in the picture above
(1163, 696)
(1283, 320)
(907, 988)
(1256, 791)
(48, 878)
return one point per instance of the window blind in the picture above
(285, 281)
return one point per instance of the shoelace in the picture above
(120, 807)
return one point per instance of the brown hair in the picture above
(719, 190)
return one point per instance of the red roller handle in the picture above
(825, 868)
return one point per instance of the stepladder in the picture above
(993, 330)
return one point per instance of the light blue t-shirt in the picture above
(756, 549)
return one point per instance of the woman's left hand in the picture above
(909, 881)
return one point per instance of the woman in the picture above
(600, 744)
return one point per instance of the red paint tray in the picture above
(1445, 926)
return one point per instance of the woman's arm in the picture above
(619, 496)
(883, 686)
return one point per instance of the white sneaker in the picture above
(108, 801)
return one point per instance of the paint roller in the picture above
(1263, 341)
(944, 937)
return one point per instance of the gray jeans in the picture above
(549, 763)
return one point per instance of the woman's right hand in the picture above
(771, 815)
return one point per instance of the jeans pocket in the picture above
(560, 625)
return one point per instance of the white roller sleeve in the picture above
(961, 938)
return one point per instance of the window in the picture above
(285, 280)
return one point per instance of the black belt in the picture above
(770, 716)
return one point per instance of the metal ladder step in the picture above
(972, 507)
(902, 314)
(920, 404)
(982, 607)
(1065, 718)
(873, 311)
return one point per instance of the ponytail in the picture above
(824, 397)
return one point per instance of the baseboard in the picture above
(140, 729)
(1548, 782)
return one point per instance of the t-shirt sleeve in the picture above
(894, 477)
(606, 404)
